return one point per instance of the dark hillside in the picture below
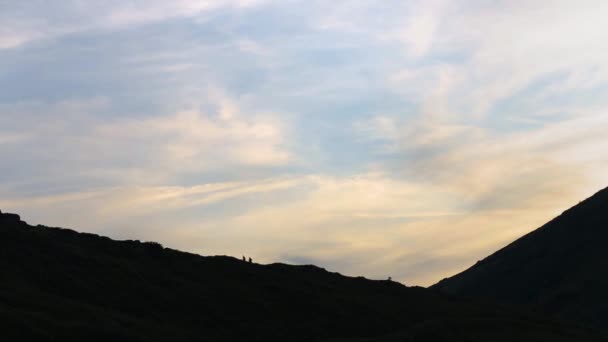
(60, 285)
(560, 268)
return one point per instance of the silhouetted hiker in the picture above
(244, 258)
(390, 279)
(250, 260)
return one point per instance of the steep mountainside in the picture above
(561, 268)
(60, 285)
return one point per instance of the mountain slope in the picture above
(560, 268)
(60, 285)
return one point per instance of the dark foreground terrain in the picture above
(560, 269)
(60, 285)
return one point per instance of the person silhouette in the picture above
(244, 258)
(250, 260)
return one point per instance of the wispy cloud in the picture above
(143, 150)
(23, 22)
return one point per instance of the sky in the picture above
(378, 138)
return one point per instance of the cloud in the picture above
(118, 203)
(144, 150)
(496, 52)
(193, 141)
(368, 224)
(416, 223)
(11, 138)
(25, 22)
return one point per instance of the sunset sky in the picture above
(377, 138)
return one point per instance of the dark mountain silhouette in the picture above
(560, 268)
(60, 285)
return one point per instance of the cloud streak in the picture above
(36, 20)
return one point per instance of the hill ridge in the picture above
(556, 268)
(59, 284)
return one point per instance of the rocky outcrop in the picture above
(9, 218)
